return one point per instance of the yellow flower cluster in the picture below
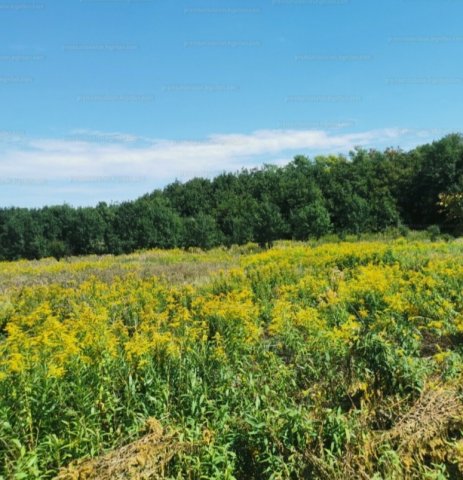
(82, 312)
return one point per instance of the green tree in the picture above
(358, 214)
(451, 204)
(268, 224)
(235, 214)
(311, 220)
(439, 170)
(88, 232)
(201, 231)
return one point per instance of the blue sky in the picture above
(109, 99)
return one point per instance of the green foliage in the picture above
(433, 231)
(268, 224)
(312, 220)
(452, 206)
(335, 361)
(201, 231)
(368, 192)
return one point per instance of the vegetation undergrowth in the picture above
(325, 360)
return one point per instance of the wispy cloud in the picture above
(84, 134)
(95, 153)
(88, 166)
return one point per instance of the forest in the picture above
(366, 191)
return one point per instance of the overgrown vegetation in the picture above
(329, 361)
(368, 192)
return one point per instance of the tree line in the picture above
(366, 191)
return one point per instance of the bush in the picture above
(433, 232)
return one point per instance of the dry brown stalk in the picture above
(143, 459)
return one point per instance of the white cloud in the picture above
(83, 134)
(100, 154)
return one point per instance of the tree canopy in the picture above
(368, 191)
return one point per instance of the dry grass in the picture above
(142, 459)
(195, 273)
(421, 434)
(430, 418)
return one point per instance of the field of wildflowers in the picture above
(329, 361)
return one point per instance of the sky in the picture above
(105, 100)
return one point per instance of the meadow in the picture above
(339, 360)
